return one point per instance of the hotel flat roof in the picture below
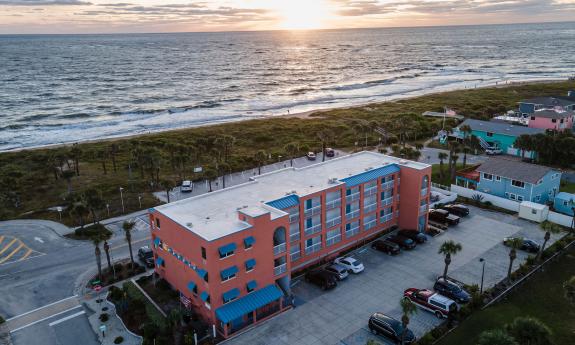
(214, 215)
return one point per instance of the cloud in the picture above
(43, 3)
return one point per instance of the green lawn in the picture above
(435, 176)
(541, 297)
(567, 187)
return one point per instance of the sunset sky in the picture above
(107, 16)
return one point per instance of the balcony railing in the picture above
(370, 208)
(387, 201)
(370, 191)
(293, 218)
(352, 214)
(280, 248)
(295, 256)
(313, 248)
(280, 269)
(424, 191)
(352, 197)
(333, 240)
(333, 222)
(397, 197)
(332, 204)
(294, 237)
(369, 225)
(313, 229)
(387, 185)
(352, 232)
(386, 218)
(423, 208)
(313, 210)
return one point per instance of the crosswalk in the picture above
(12, 249)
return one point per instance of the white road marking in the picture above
(51, 324)
(47, 305)
(44, 319)
(39, 239)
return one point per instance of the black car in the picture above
(402, 241)
(457, 209)
(452, 290)
(415, 235)
(528, 245)
(147, 256)
(386, 246)
(329, 152)
(322, 278)
(389, 327)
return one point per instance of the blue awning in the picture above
(228, 248)
(249, 241)
(159, 261)
(191, 286)
(202, 273)
(157, 241)
(285, 202)
(204, 296)
(250, 264)
(230, 295)
(252, 284)
(248, 303)
(370, 175)
(230, 271)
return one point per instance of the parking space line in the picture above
(8, 245)
(12, 253)
(26, 255)
(51, 324)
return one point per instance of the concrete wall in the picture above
(495, 200)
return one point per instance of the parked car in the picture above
(528, 245)
(322, 278)
(186, 187)
(492, 151)
(414, 235)
(457, 209)
(386, 246)
(338, 270)
(451, 289)
(352, 265)
(146, 255)
(390, 328)
(329, 152)
(311, 156)
(431, 301)
(402, 241)
(442, 216)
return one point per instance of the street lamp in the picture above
(140, 200)
(59, 209)
(108, 208)
(482, 260)
(122, 198)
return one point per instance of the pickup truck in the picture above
(442, 216)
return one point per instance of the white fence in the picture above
(560, 219)
(495, 200)
(445, 197)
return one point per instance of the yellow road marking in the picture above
(8, 245)
(12, 253)
(26, 255)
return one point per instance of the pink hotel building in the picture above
(232, 252)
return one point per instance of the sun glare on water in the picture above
(302, 14)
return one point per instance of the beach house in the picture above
(552, 119)
(231, 253)
(512, 179)
(564, 203)
(566, 103)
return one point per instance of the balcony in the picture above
(352, 214)
(333, 222)
(352, 197)
(280, 248)
(294, 237)
(333, 240)
(387, 201)
(369, 225)
(313, 210)
(281, 269)
(332, 204)
(352, 232)
(424, 191)
(423, 208)
(295, 256)
(370, 191)
(397, 197)
(313, 229)
(370, 208)
(312, 249)
(386, 218)
(293, 218)
(387, 185)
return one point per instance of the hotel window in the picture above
(518, 184)
(519, 197)
(250, 264)
(497, 178)
(487, 176)
(251, 286)
(227, 250)
(228, 273)
(203, 253)
(158, 223)
(511, 196)
(554, 120)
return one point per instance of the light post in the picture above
(140, 200)
(108, 208)
(122, 198)
(59, 209)
(482, 260)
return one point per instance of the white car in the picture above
(311, 156)
(186, 187)
(492, 151)
(351, 264)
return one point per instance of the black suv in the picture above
(528, 245)
(389, 327)
(402, 241)
(413, 235)
(457, 209)
(322, 278)
(452, 290)
(147, 256)
(386, 246)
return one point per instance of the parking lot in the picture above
(340, 316)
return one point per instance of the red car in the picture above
(431, 301)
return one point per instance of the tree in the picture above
(260, 158)
(292, 149)
(94, 203)
(107, 251)
(569, 287)
(407, 309)
(441, 156)
(325, 136)
(80, 210)
(98, 253)
(68, 175)
(449, 248)
(167, 185)
(102, 155)
(496, 337)
(466, 130)
(128, 226)
(549, 228)
(114, 150)
(225, 143)
(529, 331)
(514, 244)
(223, 169)
(453, 167)
(210, 175)
(76, 152)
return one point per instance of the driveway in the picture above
(340, 316)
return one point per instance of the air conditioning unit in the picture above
(333, 180)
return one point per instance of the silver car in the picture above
(338, 270)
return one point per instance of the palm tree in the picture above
(94, 202)
(453, 167)
(466, 130)
(80, 210)
(167, 185)
(569, 287)
(128, 226)
(68, 175)
(325, 136)
(226, 143)
(407, 309)
(496, 337)
(76, 152)
(514, 244)
(260, 158)
(107, 251)
(210, 175)
(223, 169)
(549, 228)
(449, 248)
(441, 156)
(529, 331)
(292, 149)
(98, 253)
(114, 150)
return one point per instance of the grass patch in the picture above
(568, 187)
(92, 232)
(541, 297)
(435, 175)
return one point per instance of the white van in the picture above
(186, 187)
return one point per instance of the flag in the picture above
(450, 112)
(185, 301)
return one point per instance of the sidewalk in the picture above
(114, 326)
(58, 228)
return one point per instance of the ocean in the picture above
(68, 88)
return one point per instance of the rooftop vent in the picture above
(190, 225)
(368, 169)
(332, 180)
